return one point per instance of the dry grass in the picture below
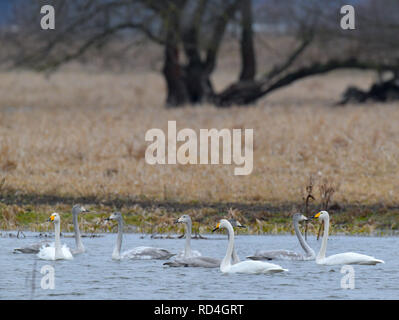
(80, 135)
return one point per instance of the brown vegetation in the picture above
(81, 135)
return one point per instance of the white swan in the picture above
(35, 247)
(55, 251)
(138, 252)
(248, 266)
(75, 212)
(340, 258)
(287, 254)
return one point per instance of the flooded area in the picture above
(94, 275)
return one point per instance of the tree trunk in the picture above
(174, 76)
(248, 60)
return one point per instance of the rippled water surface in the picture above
(94, 275)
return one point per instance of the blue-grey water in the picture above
(94, 275)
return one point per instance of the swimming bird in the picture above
(340, 258)
(199, 261)
(287, 254)
(35, 247)
(32, 248)
(55, 251)
(77, 208)
(138, 252)
(247, 266)
(187, 253)
(191, 258)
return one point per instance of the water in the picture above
(94, 275)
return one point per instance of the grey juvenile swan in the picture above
(138, 252)
(77, 208)
(287, 254)
(35, 247)
(187, 253)
(187, 259)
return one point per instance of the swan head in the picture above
(236, 224)
(299, 217)
(115, 216)
(184, 219)
(322, 215)
(222, 224)
(55, 217)
(77, 208)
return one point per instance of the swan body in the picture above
(146, 253)
(199, 262)
(138, 253)
(55, 251)
(49, 253)
(340, 258)
(32, 248)
(349, 258)
(287, 254)
(278, 255)
(247, 266)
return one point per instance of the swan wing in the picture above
(349, 258)
(200, 262)
(194, 253)
(32, 248)
(144, 253)
(254, 267)
(48, 253)
(277, 255)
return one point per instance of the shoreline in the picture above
(157, 217)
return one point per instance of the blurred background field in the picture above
(76, 134)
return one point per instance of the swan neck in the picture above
(187, 248)
(302, 242)
(227, 259)
(57, 235)
(117, 250)
(323, 248)
(234, 256)
(78, 240)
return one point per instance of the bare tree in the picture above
(191, 32)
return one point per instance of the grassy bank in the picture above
(79, 137)
(159, 217)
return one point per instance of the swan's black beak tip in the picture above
(215, 229)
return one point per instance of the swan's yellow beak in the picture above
(217, 227)
(51, 218)
(316, 215)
